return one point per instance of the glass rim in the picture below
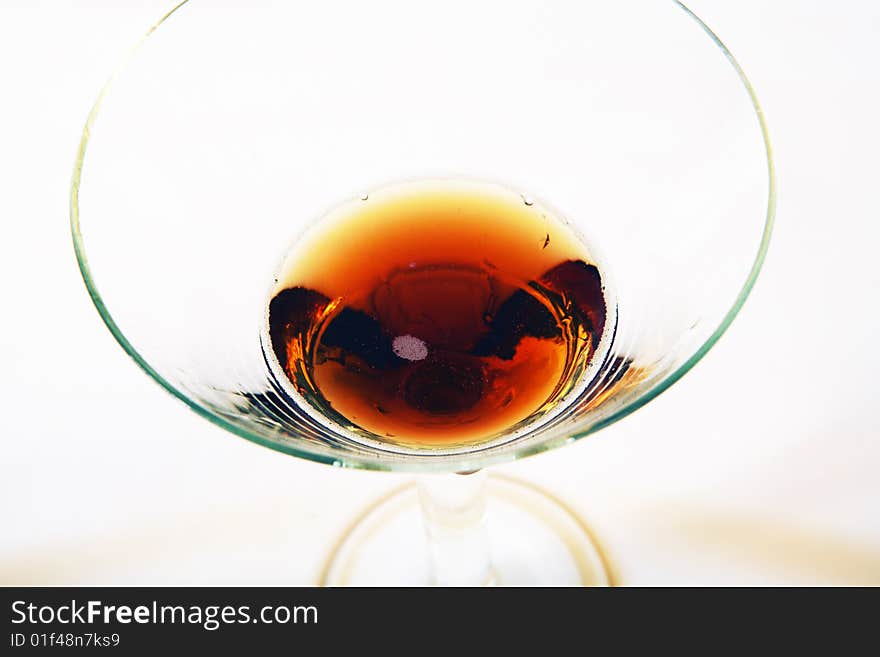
(424, 463)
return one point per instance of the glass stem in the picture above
(454, 514)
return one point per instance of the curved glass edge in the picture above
(757, 264)
(83, 263)
(425, 463)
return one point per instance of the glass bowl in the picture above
(228, 131)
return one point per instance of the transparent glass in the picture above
(230, 130)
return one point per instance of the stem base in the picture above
(534, 539)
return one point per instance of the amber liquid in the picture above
(437, 314)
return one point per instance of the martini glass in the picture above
(229, 130)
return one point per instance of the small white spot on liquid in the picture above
(365, 196)
(528, 200)
(409, 347)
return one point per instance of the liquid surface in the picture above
(436, 314)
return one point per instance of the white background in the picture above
(761, 466)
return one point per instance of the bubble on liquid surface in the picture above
(528, 200)
(409, 347)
